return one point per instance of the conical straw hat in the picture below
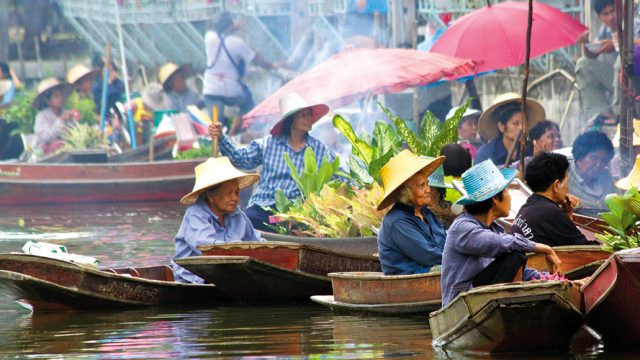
(50, 84)
(79, 72)
(168, 69)
(400, 169)
(215, 171)
(633, 179)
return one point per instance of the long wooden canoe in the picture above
(509, 318)
(27, 184)
(51, 284)
(262, 271)
(612, 298)
(572, 257)
(355, 245)
(389, 294)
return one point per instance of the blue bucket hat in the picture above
(436, 179)
(483, 181)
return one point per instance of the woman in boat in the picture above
(547, 215)
(179, 95)
(590, 179)
(82, 78)
(289, 135)
(477, 251)
(544, 137)
(411, 238)
(213, 216)
(501, 123)
(51, 119)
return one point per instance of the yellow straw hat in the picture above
(488, 124)
(400, 169)
(50, 84)
(79, 72)
(167, 70)
(215, 171)
(633, 179)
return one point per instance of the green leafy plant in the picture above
(622, 218)
(202, 151)
(85, 106)
(432, 134)
(368, 156)
(81, 137)
(312, 179)
(21, 113)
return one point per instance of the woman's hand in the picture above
(215, 130)
(552, 259)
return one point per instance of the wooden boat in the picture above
(355, 245)
(263, 271)
(47, 284)
(572, 257)
(385, 294)
(162, 149)
(526, 317)
(28, 184)
(611, 298)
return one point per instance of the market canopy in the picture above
(354, 74)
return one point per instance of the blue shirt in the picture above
(470, 247)
(496, 151)
(275, 174)
(408, 245)
(200, 226)
(7, 98)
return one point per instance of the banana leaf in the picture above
(359, 147)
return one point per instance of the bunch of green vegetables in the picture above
(85, 106)
(21, 112)
(82, 137)
(622, 220)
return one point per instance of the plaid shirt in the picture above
(275, 174)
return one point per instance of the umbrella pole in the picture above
(525, 130)
(132, 126)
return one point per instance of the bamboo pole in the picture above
(105, 87)
(523, 105)
(624, 15)
(214, 120)
(132, 126)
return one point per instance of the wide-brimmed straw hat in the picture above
(154, 97)
(293, 103)
(483, 181)
(50, 84)
(79, 72)
(5, 86)
(488, 124)
(215, 171)
(633, 179)
(167, 70)
(400, 169)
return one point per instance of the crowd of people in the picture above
(468, 243)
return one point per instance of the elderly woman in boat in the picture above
(501, 123)
(213, 215)
(411, 238)
(289, 135)
(477, 251)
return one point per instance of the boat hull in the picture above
(50, 284)
(572, 257)
(356, 245)
(384, 309)
(29, 184)
(509, 318)
(611, 299)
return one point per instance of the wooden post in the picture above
(214, 120)
(624, 14)
(525, 129)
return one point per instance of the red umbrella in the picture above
(495, 35)
(354, 74)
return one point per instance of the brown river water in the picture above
(142, 234)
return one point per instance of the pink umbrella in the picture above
(352, 75)
(495, 35)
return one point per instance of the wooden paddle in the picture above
(214, 120)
